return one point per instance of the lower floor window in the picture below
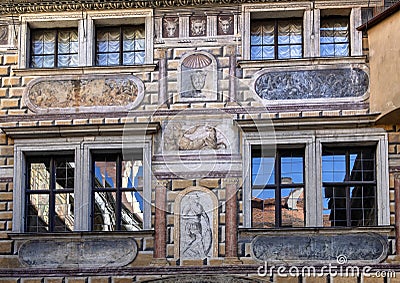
(117, 195)
(50, 193)
(349, 186)
(277, 188)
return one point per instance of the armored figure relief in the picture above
(196, 231)
(170, 27)
(225, 25)
(198, 27)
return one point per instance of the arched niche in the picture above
(196, 224)
(197, 79)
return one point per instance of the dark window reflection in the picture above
(349, 187)
(277, 188)
(117, 192)
(50, 194)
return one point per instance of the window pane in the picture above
(65, 174)
(263, 171)
(64, 208)
(292, 169)
(38, 213)
(292, 200)
(105, 211)
(263, 208)
(39, 176)
(105, 173)
(334, 36)
(333, 167)
(334, 202)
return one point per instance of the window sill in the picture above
(84, 70)
(301, 62)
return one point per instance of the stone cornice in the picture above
(31, 6)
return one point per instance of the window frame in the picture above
(86, 32)
(347, 183)
(313, 142)
(51, 192)
(81, 148)
(277, 186)
(56, 52)
(276, 44)
(348, 42)
(116, 156)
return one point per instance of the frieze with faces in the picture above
(225, 25)
(198, 26)
(171, 27)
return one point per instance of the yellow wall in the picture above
(384, 51)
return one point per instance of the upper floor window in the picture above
(277, 188)
(276, 39)
(54, 48)
(334, 36)
(117, 196)
(122, 45)
(349, 186)
(49, 193)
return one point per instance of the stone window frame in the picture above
(313, 141)
(311, 24)
(82, 148)
(85, 23)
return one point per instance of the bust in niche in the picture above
(198, 26)
(225, 25)
(170, 27)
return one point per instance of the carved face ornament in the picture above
(170, 27)
(198, 27)
(225, 24)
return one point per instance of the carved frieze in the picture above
(357, 247)
(312, 84)
(78, 253)
(84, 93)
(225, 25)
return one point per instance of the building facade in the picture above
(198, 141)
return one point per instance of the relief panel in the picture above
(196, 224)
(78, 253)
(70, 94)
(337, 83)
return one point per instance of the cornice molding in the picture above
(30, 6)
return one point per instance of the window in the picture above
(276, 39)
(54, 48)
(50, 193)
(117, 195)
(334, 36)
(277, 188)
(349, 186)
(123, 45)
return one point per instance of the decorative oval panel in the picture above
(312, 84)
(83, 253)
(96, 93)
(368, 248)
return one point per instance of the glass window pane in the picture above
(105, 173)
(39, 176)
(104, 211)
(263, 208)
(132, 211)
(292, 169)
(65, 170)
(292, 200)
(263, 171)
(64, 212)
(334, 36)
(38, 213)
